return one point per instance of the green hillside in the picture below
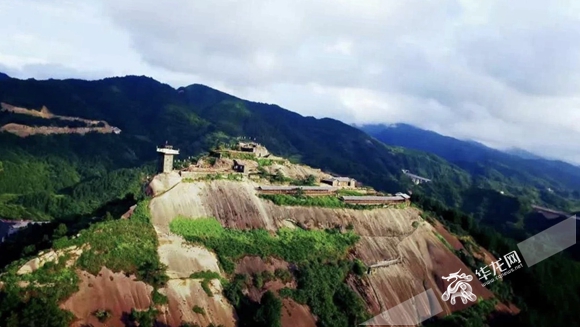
(41, 173)
(74, 179)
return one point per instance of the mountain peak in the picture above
(4, 76)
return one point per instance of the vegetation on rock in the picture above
(124, 245)
(319, 255)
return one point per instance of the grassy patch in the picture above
(350, 192)
(444, 241)
(291, 245)
(214, 177)
(319, 255)
(325, 201)
(238, 155)
(129, 246)
(206, 277)
(265, 162)
(198, 310)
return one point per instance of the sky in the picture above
(504, 73)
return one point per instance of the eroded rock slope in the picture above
(406, 255)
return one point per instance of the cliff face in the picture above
(406, 255)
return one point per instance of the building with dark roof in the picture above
(376, 200)
(293, 189)
(341, 182)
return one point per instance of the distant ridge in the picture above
(523, 153)
(4, 76)
(482, 161)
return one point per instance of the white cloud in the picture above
(504, 73)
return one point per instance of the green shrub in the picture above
(102, 315)
(207, 276)
(283, 275)
(270, 311)
(158, 298)
(198, 310)
(325, 201)
(258, 281)
(359, 268)
(267, 276)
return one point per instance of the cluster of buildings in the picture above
(332, 187)
(327, 186)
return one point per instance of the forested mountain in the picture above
(72, 178)
(54, 175)
(551, 182)
(41, 172)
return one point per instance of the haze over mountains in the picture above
(462, 152)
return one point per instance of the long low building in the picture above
(292, 189)
(376, 200)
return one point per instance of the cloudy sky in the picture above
(505, 73)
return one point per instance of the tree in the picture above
(60, 231)
(299, 192)
(108, 216)
(269, 313)
(279, 177)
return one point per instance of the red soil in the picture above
(450, 238)
(111, 291)
(296, 315)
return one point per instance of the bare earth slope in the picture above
(24, 130)
(408, 260)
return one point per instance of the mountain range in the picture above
(54, 168)
(513, 171)
(75, 152)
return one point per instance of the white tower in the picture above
(166, 154)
